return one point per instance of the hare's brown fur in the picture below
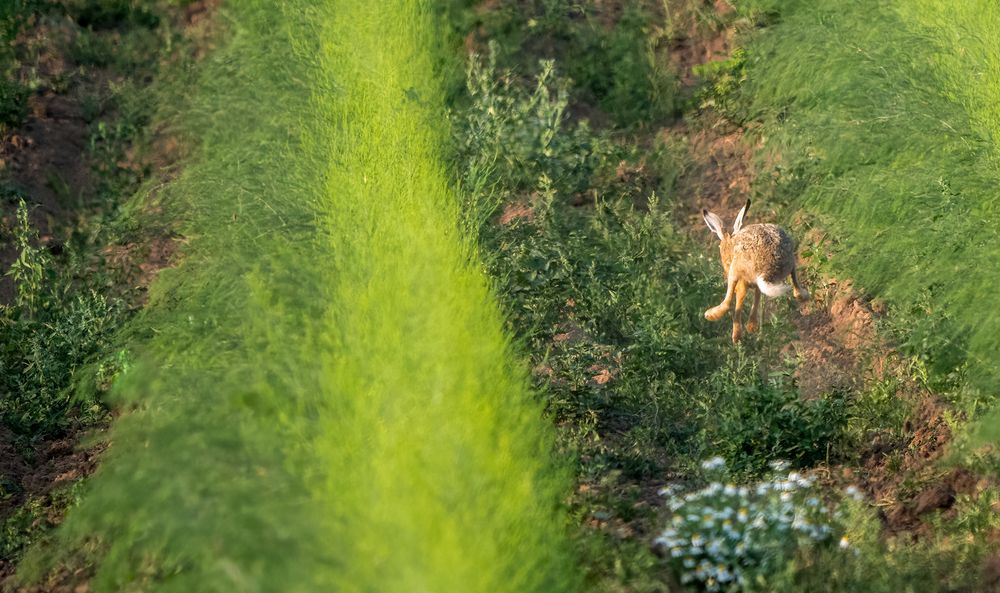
(761, 250)
(756, 258)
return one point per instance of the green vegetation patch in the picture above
(322, 396)
(614, 53)
(883, 119)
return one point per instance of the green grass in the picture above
(322, 395)
(614, 55)
(885, 122)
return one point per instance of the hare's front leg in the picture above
(717, 312)
(798, 291)
(741, 293)
(754, 322)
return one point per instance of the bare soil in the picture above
(49, 466)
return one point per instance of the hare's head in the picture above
(725, 239)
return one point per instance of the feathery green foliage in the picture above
(885, 121)
(323, 397)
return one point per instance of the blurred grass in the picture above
(322, 395)
(884, 119)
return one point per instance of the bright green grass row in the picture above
(886, 121)
(322, 396)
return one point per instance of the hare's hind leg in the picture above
(717, 312)
(798, 290)
(755, 312)
(741, 293)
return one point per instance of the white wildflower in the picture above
(724, 575)
(713, 463)
(778, 465)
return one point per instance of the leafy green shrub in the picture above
(13, 103)
(28, 269)
(725, 537)
(723, 80)
(510, 136)
(621, 69)
(757, 421)
(42, 360)
(613, 57)
(47, 339)
(126, 52)
(13, 13)
(109, 14)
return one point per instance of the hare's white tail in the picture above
(772, 290)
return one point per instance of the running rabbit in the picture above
(757, 257)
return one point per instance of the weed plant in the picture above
(613, 56)
(51, 336)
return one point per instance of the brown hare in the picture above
(756, 257)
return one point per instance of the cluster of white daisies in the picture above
(722, 535)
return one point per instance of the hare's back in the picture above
(768, 250)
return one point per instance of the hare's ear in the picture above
(714, 222)
(739, 217)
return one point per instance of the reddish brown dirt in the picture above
(513, 212)
(721, 173)
(991, 575)
(695, 42)
(48, 467)
(906, 480)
